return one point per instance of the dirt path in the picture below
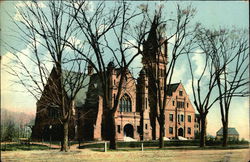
(235, 155)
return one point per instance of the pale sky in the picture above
(212, 14)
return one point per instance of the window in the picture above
(53, 113)
(171, 117)
(118, 128)
(180, 104)
(146, 103)
(180, 93)
(146, 126)
(173, 103)
(189, 118)
(125, 104)
(178, 118)
(187, 104)
(182, 118)
(114, 82)
(171, 130)
(189, 130)
(138, 129)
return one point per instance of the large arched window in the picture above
(125, 104)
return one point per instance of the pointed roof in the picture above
(173, 88)
(152, 33)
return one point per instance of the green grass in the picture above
(58, 143)
(15, 147)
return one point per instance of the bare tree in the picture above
(43, 27)
(156, 58)
(203, 83)
(96, 27)
(229, 51)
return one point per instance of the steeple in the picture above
(154, 48)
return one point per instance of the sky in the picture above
(211, 14)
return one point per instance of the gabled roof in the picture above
(70, 82)
(173, 88)
(231, 131)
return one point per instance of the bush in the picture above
(210, 142)
(15, 147)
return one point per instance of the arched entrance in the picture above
(128, 130)
(180, 132)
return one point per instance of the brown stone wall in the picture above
(186, 110)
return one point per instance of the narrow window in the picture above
(138, 129)
(178, 118)
(187, 104)
(146, 103)
(118, 128)
(146, 126)
(171, 116)
(182, 118)
(189, 130)
(173, 103)
(171, 130)
(180, 93)
(189, 118)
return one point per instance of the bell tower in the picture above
(154, 61)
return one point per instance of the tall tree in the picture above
(97, 28)
(156, 58)
(43, 27)
(229, 51)
(203, 80)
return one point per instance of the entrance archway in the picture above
(180, 132)
(128, 130)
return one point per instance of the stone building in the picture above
(134, 117)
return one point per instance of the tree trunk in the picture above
(161, 141)
(225, 134)
(112, 131)
(162, 123)
(153, 124)
(203, 131)
(65, 145)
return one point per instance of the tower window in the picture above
(146, 126)
(173, 103)
(180, 93)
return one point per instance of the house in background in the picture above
(232, 134)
